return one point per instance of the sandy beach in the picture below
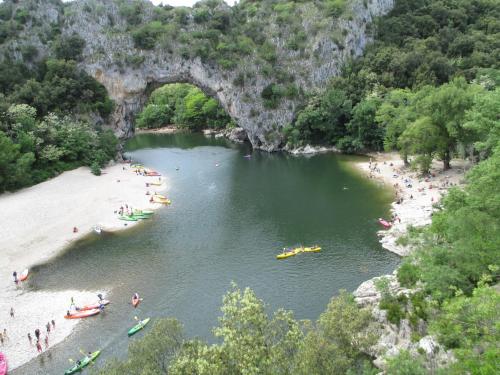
(414, 194)
(37, 224)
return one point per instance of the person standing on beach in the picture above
(38, 346)
(11, 312)
(53, 324)
(1, 338)
(72, 303)
(46, 341)
(30, 339)
(5, 334)
(37, 334)
(48, 328)
(15, 276)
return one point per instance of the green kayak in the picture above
(143, 212)
(83, 363)
(128, 218)
(138, 326)
(141, 216)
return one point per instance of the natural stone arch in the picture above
(105, 58)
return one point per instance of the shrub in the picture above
(69, 48)
(95, 169)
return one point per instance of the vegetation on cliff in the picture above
(185, 106)
(419, 46)
(48, 108)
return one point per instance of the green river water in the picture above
(226, 223)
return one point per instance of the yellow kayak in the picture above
(155, 183)
(159, 196)
(161, 200)
(289, 253)
(313, 249)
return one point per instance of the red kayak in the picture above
(136, 301)
(384, 223)
(22, 277)
(3, 364)
(82, 314)
(94, 305)
(153, 174)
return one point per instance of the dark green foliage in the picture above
(272, 95)
(418, 43)
(145, 36)
(69, 48)
(64, 88)
(32, 150)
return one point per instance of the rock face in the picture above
(394, 338)
(130, 74)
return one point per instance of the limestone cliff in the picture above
(307, 49)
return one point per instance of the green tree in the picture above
(336, 345)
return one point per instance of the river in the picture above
(229, 217)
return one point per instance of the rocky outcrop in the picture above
(130, 74)
(393, 338)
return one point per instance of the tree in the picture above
(336, 345)
(363, 125)
(470, 325)
(69, 48)
(484, 122)
(405, 364)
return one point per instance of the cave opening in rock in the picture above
(182, 105)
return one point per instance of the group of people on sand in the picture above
(50, 326)
(125, 210)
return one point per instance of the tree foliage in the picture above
(183, 105)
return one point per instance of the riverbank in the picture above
(414, 194)
(40, 225)
(169, 129)
(415, 197)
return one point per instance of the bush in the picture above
(95, 169)
(408, 274)
(69, 48)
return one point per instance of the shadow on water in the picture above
(229, 217)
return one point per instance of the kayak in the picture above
(384, 223)
(141, 216)
(289, 253)
(23, 276)
(83, 363)
(155, 183)
(312, 249)
(82, 314)
(160, 196)
(3, 364)
(156, 199)
(136, 301)
(138, 326)
(128, 218)
(153, 174)
(94, 305)
(143, 212)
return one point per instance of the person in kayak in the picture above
(101, 307)
(67, 313)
